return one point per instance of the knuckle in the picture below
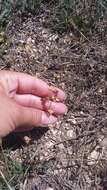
(30, 101)
(36, 116)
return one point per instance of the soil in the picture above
(73, 153)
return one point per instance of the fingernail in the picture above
(60, 108)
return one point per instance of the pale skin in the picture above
(21, 106)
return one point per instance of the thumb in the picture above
(34, 117)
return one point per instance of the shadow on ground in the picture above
(16, 140)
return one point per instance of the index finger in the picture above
(27, 84)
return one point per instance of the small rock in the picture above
(93, 157)
(61, 146)
(100, 90)
(73, 120)
(27, 139)
(53, 37)
(49, 188)
(45, 33)
(71, 134)
(29, 40)
(71, 34)
(22, 41)
(49, 144)
(104, 143)
(56, 172)
(47, 47)
(69, 150)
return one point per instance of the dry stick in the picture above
(103, 5)
(3, 67)
(3, 177)
(76, 28)
(25, 183)
(81, 167)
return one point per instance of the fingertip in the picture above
(62, 95)
(58, 93)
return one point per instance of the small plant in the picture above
(80, 15)
(11, 172)
(9, 7)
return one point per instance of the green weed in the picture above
(11, 172)
(80, 15)
(9, 7)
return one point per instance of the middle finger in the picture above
(28, 100)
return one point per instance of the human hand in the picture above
(22, 104)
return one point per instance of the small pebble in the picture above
(92, 158)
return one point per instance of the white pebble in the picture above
(92, 158)
(49, 188)
(70, 134)
(49, 144)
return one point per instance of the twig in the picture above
(3, 177)
(103, 5)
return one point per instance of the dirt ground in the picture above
(72, 155)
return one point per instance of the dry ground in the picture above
(72, 155)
